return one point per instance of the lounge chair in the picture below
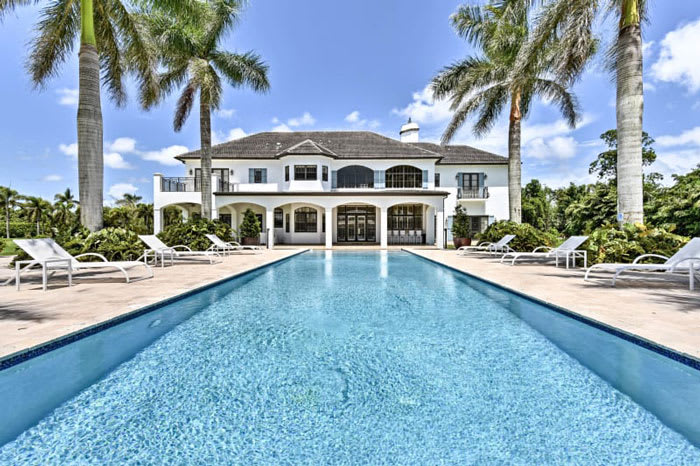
(686, 259)
(220, 245)
(52, 258)
(158, 248)
(567, 250)
(500, 246)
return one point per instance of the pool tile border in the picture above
(21, 356)
(682, 358)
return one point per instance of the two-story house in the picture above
(343, 187)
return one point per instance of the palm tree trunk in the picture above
(630, 108)
(7, 221)
(90, 158)
(38, 232)
(205, 136)
(514, 166)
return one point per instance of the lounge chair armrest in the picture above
(693, 262)
(92, 254)
(646, 256)
(543, 247)
(182, 246)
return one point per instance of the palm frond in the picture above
(57, 31)
(468, 108)
(566, 101)
(111, 62)
(246, 69)
(222, 16)
(9, 5)
(184, 105)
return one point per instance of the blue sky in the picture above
(342, 65)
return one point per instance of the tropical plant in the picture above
(677, 208)
(573, 21)
(112, 43)
(460, 223)
(36, 209)
(250, 226)
(67, 198)
(485, 85)
(624, 244)
(594, 209)
(193, 60)
(192, 233)
(605, 165)
(115, 244)
(526, 238)
(537, 205)
(129, 200)
(9, 201)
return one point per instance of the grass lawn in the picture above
(8, 247)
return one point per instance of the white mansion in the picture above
(343, 187)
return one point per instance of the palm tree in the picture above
(9, 200)
(193, 61)
(484, 85)
(111, 41)
(573, 20)
(35, 209)
(129, 200)
(66, 198)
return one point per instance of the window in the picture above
(355, 176)
(286, 173)
(437, 180)
(305, 220)
(477, 224)
(305, 172)
(279, 218)
(404, 176)
(470, 181)
(286, 224)
(260, 221)
(223, 178)
(405, 217)
(257, 175)
(325, 173)
(225, 218)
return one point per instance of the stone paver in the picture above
(662, 311)
(31, 316)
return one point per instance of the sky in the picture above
(334, 65)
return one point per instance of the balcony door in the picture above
(221, 172)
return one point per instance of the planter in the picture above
(459, 242)
(250, 241)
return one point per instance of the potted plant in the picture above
(249, 230)
(460, 228)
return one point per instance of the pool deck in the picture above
(31, 316)
(662, 311)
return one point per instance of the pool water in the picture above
(351, 358)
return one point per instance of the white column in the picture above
(157, 221)
(270, 224)
(185, 214)
(383, 224)
(214, 188)
(440, 233)
(430, 226)
(329, 227)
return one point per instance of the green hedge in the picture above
(624, 244)
(527, 237)
(191, 233)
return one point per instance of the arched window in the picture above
(404, 176)
(355, 176)
(305, 220)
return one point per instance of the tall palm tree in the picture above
(67, 198)
(193, 61)
(129, 200)
(484, 85)
(111, 41)
(36, 208)
(573, 20)
(9, 201)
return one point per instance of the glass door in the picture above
(361, 230)
(351, 228)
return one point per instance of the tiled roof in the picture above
(343, 145)
(459, 155)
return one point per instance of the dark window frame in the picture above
(258, 175)
(437, 180)
(286, 173)
(279, 218)
(355, 176)
(404, 177)
(305, 172)
(324, 173)
(305, 220)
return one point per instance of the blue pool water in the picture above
(347, 358)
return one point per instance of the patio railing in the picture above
(473, 193)
(180, 185)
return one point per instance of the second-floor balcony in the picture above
(194, 184)
(473, 193)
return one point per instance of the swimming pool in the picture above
(350, 357)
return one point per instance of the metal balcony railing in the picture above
(473, 193)
(180, 185)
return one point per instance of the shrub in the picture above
(460, 223)
(191, 233)
(21, 229)
(116, 244)
(250, 226)
(527, 237)
(624, 244)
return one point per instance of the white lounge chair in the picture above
(220, 245)
(159, 248)
(567, 249)
(500, 246)
(687, 259)
(52, 258)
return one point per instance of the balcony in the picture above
(180, 185)
(473, 193)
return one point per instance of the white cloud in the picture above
(688, 137)
(165, 156)
(425, 109)
(117, 191)
(559, 147)
(225, 112)
(233, 134)
(50, 178)
(305, 120)
(281, 128)
(679, 57)
(71, 150)
(353, 117)
(68, 97)
(677, 162)
(124, 145)
(647, 47)
(116, 161)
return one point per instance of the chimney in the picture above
(409, 132)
